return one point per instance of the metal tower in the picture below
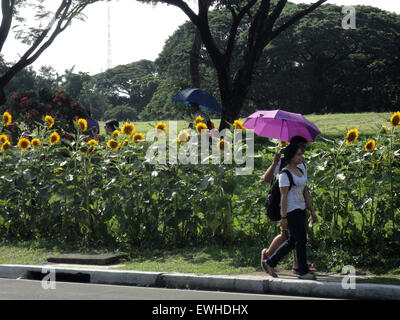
(109, 60)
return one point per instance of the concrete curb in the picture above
(249, 284)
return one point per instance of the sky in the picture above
(138, 31)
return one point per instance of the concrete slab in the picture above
(85, 259)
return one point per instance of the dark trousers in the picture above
(297, 239)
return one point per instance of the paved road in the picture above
(11, 289)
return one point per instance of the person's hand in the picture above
(313, 218)
(277, 157)
(284, 224)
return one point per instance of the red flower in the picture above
(73, 104)
(49, 106)
(17, 96)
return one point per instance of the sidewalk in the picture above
(326, 285)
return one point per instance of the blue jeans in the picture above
(297, 239)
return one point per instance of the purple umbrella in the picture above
(282, 125)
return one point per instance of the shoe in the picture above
(268, 269)
(296, 270)
(308, 276)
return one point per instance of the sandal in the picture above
(296, 270)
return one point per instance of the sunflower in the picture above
(128, 129)
(351, 136)
(222, 144)
(82, 124)
(7, 119)
(201, 126)
(238, 125)
(161, 127)
(198, 119)
(183, 137)
(24, 144)
(3, 138)
(125, 143)
(283, 143)
(58, 171)
(116, 133)
(35, 143)
(50, 121)
(92, 141)
(370, 145)
(92, 144)
(394, 120)
(6, 146)
(385, 128)
(137, 137)
(113, 144)
(54, 138)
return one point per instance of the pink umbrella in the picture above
(282, 125)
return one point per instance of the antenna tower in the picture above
(109, 60)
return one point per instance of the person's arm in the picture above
(308, 200)
(284, 196)
(268, 175)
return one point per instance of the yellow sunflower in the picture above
(283, 143)
(238, 125)
(113, 144)
(82, 124)
(3, 138)
(370, 145)
(93, 143)
(183, 137)
(384, 127)
(7, 119)
(24, 144)
(201, 126)
(116, 133)
(395, 119)
(58, 171)
(50, 121)
(54, 138)
(222, 144)
(128, 129)
(125, 143)
(161, 127)
(6, 146)
(198, 119)
(35, 143)
(351, 136)
(137, 137)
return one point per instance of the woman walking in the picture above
(293, 215)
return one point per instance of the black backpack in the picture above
(273, 201)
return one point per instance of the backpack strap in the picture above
(289, 174)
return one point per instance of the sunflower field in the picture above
(75, 189)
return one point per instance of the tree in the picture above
(264, 26)
(121, 113)
(38, 38)
(132, 84)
